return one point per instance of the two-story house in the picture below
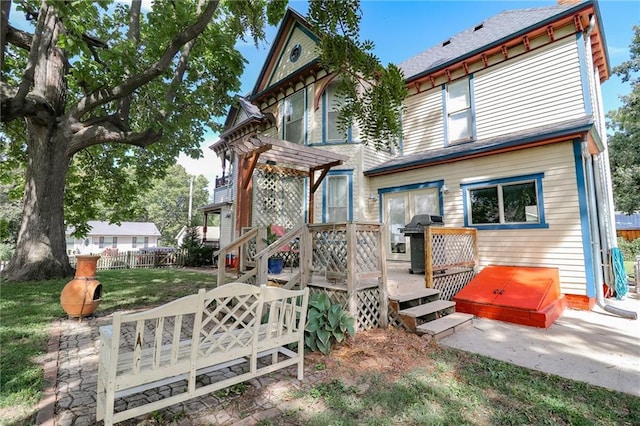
(503, 130)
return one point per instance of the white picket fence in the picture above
(134, 259)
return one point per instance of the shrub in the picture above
(629, 249)
(327, 323)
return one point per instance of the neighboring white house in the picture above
(213, 235)
(128, 236)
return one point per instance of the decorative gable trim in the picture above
(573, 21)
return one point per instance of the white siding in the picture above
(558, 246)
(540, 89)
(422, 122)
(284, 67)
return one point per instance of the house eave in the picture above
(513, 144)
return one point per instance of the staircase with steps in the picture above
(424, 313)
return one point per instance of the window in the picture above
(459, 111)
(331, 104)
(505, 203)
(337, 197)
(294, 118)
(101, 242)
(146, 242)
(134, 242)
(114, 243)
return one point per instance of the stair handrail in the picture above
(262, 257)
(232, 246)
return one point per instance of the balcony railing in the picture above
(222, 181)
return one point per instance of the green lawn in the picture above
(462, 388)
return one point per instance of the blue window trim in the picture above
(403, 188)
(325, 111)
(472, 106)
(349, 175)
(304, 115)
(537, 177)
(585, 229)
(584, 73)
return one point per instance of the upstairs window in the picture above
(459, 111)
(294, 118)
(505, 203)
(337, 197)
(332, 103)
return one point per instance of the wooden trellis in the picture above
(451, 258)
(278, 196)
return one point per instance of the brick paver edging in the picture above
(47, 405)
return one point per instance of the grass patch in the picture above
(27, 309)
(460, 389)
(463, 389)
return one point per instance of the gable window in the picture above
(505, 203)
(331, 105)
(459, 111)
(294, 118)
(337, 205)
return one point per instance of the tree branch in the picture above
(40, 41)
(19, 38)
(180, 70)
(108, 130)
(5, 9)
(134, 35)
(106, 95)
(32, 106)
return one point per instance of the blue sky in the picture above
(401, 29)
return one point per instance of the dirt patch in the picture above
(388, 352)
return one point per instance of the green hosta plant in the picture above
(326, 323)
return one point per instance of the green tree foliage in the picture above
(624, 143)
(372, 93)
(167, 203)
(99, 98)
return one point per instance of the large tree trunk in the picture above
(41, 251)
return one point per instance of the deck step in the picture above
(445, 326)
(424, 292)
(427, 308)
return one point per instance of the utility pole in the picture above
(190, 198)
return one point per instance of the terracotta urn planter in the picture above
(82, 295)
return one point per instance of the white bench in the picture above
(233, 325)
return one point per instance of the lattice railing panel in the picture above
(368, 308)
(451, 249)
(451, 282)
(367, 250)
(368, 315)
(395, 320)
(278, 197)
(329, 247)
(448, 253)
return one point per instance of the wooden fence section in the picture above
(134, 259)
(451, 258)
(628, 234)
